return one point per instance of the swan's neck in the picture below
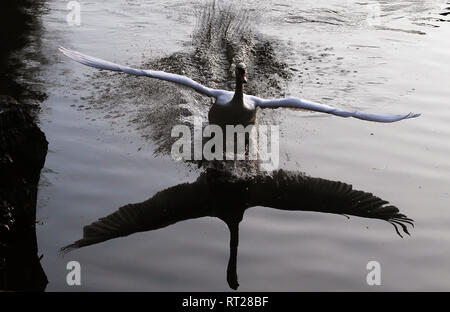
(238, 98)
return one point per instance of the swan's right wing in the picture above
(102, 64)
(177, 203)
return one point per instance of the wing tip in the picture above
(66, 52)
(402, 117)
(413, 115)
(63, 50)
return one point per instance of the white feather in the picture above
(102, 64)
(223, 96)
(304, 104)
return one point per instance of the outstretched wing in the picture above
(215, 192)
(304, 104)
(102, 64)
(289, 191)
(177, 203)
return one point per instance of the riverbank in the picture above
(23, 148)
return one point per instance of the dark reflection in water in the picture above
(219, 193)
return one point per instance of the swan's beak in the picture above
(244, 78)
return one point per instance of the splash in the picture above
(223, 36)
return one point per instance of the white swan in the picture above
(232, 107)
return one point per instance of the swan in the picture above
(232, 108)
(220, 194)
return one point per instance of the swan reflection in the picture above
(218, 193)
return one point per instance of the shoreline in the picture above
(23, 149)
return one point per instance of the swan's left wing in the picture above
(304, 104)
(291, 191)
(102, 64)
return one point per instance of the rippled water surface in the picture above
(338, 53)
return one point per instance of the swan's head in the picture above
(241, 73)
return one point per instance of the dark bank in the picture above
(23, 148)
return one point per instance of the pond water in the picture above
(340, 54)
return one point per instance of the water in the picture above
(95, 165)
